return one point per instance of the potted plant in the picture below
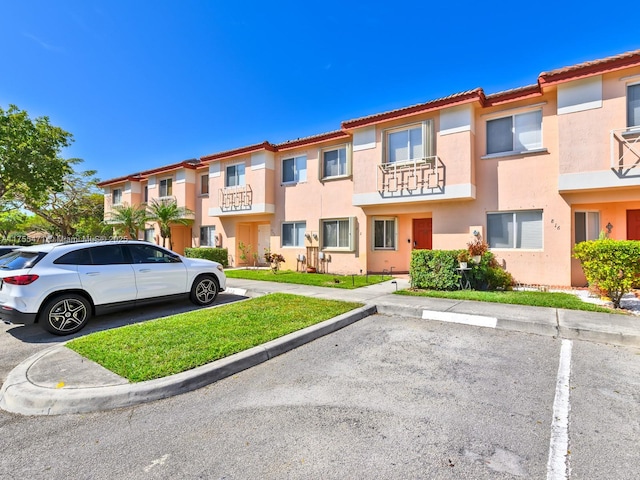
(463, 258)
(476, 249)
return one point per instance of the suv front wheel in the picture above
(204, 290)
(65, 314)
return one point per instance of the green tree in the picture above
(30, 162)
(74, 203)
(127, 220)
(10, 221)
(167, 213)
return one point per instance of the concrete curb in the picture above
(20, 395)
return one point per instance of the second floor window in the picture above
(633, 105)
(235, 176)
(334, 162)
(515, 133)
(116, 196)
(204, 184)
(411, 143)
(166, 187)
(294, 169)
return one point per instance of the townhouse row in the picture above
(532, 171)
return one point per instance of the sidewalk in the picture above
(58, 381)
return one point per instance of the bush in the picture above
(435, 269)
(612, 266)
(220, 255)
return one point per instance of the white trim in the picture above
(456, 120)
(514, 153)
(364, 139)
(262, 161)
(580, 95)
(596, 179)
(255, 208)
(464, 191)
(503, 113)
(214, 170)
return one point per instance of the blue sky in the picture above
(141, 84)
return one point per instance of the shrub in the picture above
(220, 255)
(612, 266)
(434, 269)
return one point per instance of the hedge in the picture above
(436, 270)
(220, 255)
(612, 266)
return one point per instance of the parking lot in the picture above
(387, 397)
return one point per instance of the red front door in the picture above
(422, 233)
(633, 224)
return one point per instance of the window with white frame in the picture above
(519, 229)
(116, 196)
(235, 175)
(384, 234)
(149, 235)
(294, 169)
(515, 133)
(586, 226)
(410, 143)
(338, 233)
(207, 236)
(335, 162)
(166, 187)
(204, 184)
(633, 105)
(293, 234)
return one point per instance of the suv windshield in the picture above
(17, 260)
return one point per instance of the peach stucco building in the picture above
(531, 170)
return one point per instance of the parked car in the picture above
(60, 286)
(4, 249)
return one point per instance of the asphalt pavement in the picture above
(59, 381)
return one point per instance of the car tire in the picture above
(65, 314)
(204, 290)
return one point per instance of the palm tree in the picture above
(127, 219)
(167, 213)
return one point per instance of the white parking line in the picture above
(558, 463)
(475, 320)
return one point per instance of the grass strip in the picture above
(302, 278)
(174, 344)
(535, 299)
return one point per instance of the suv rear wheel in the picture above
(65, 314)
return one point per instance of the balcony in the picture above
(423, 176)
(625, 152)
(235, 199)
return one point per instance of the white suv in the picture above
(60, 286)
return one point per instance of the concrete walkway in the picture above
(58, 381)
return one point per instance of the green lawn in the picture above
(166, 346)
(303, 278)
(536, 299)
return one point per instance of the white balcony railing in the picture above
(625, 151)
(235, 198)
(420, 176)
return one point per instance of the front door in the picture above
(633, 224)
(422, 233)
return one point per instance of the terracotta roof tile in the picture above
(239, 151)
(603, 65)
(448, 101)
(312, 139)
